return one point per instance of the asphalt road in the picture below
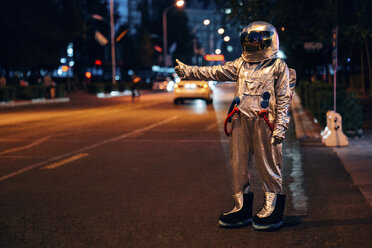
(117, 173)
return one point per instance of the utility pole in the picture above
(113, 56)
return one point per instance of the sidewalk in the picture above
(79, 95)
(17, 103)
(356, 157)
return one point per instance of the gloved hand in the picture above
(180, 69)
(276, 140)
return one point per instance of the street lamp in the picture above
(178, 4)
(197, 51)
(113, 59)
(112, 34)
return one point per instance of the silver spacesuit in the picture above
(262, 84)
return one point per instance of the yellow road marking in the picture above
(90, 147)
(66, 161)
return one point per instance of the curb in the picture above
(33, 102)
(355, 157)
(307, 131)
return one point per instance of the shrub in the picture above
(38, 91)
(7, 93)
(318, 98)
(60, 90)
(316, 93)
(348, 106)
(111, 87)
(24, 92)
(95, 88)
(302, 90)
(123, 86)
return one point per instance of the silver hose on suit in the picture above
(262, 84)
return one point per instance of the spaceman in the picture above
(262, 85)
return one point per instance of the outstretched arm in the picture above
(226, 72)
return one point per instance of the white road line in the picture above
(35, 143)
(86, 148)
(211, 126)
(66, 161)
(296, 187)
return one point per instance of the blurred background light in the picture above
(281, 55)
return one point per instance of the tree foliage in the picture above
(309, 21)
(139, 48)
(35, 34)
(177, 26)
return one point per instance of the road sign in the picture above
(334, 48)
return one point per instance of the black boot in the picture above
(241, 215)
(270, 217)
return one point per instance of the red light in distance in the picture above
(98, 62)
(158, 48)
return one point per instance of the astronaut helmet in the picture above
(259, 42)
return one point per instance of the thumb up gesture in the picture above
(180, 69)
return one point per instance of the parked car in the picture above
(185, 90)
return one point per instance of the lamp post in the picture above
(113, 55)
(179, 4)
(197, 51)
(112, 34)
(207, 22)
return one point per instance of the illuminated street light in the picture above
(178, 4)
(206, 22)
(217, 51)
(221, 31)
(226, 38)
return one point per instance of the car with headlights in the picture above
(186, 89)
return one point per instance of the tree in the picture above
(178, 30)
(29, 39)
(305, 21)
(356, 24)
(35, 34)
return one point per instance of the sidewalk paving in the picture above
(72, 97)
(356, 157)
(17, 103)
